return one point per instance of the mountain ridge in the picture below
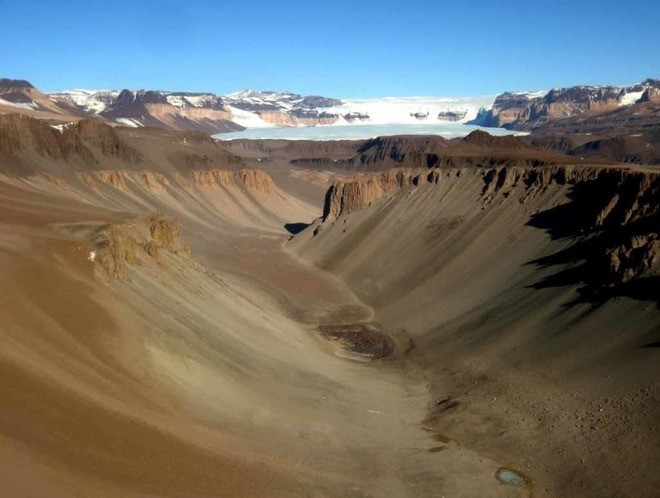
(213, 113)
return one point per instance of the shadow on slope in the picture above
(613, 221)
(295, 228)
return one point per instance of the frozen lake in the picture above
(361, 131)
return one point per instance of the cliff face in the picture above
(16, 91)
(350, 195)
(297, 118)
(638, 188)
(178, 111)
(614, 213)
(476, 149)
(253, 179)
(521, 111)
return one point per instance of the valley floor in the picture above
(131, 367)
(186, 379)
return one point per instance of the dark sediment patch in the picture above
(446, 404)
(295, 228)
(442, 438)
(361, 339)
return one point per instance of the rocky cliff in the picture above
(350, 195)
(253, 179)
(116, 246)
(613, 213)
(476, 149)
(526, 111)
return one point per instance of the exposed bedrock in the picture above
(612, 213)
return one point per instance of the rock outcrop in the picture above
(356, 116)
(118, 245)
(452, 116)
(115, 178)
(298, 117)
(173, 110)
(613, 214)
(350, 195)
(252, 179)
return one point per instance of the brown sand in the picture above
(204, 374)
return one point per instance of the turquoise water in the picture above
(358, 132)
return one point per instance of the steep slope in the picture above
(28, 144)
(145, 355)
(530, 296)
(20, 97)
(525, 111)
(205, 112)
(178, 111)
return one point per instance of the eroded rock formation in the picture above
(612, 214)
(118, 245)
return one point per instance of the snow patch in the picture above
(61, 127)
(94, 101)
(531, 95)
(247, 119)
(176, 101)
(21, 105)
(630, 98)
(198, 100)
(133, 123)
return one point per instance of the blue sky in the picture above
(341, 48)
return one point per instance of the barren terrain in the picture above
(188, 318)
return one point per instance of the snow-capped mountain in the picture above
(254, 100)
(212, 113)
(20, 96)
(177, 110)
(526, 111)
(93, 101)
(253, 109)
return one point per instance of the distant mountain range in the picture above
(568, 109)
